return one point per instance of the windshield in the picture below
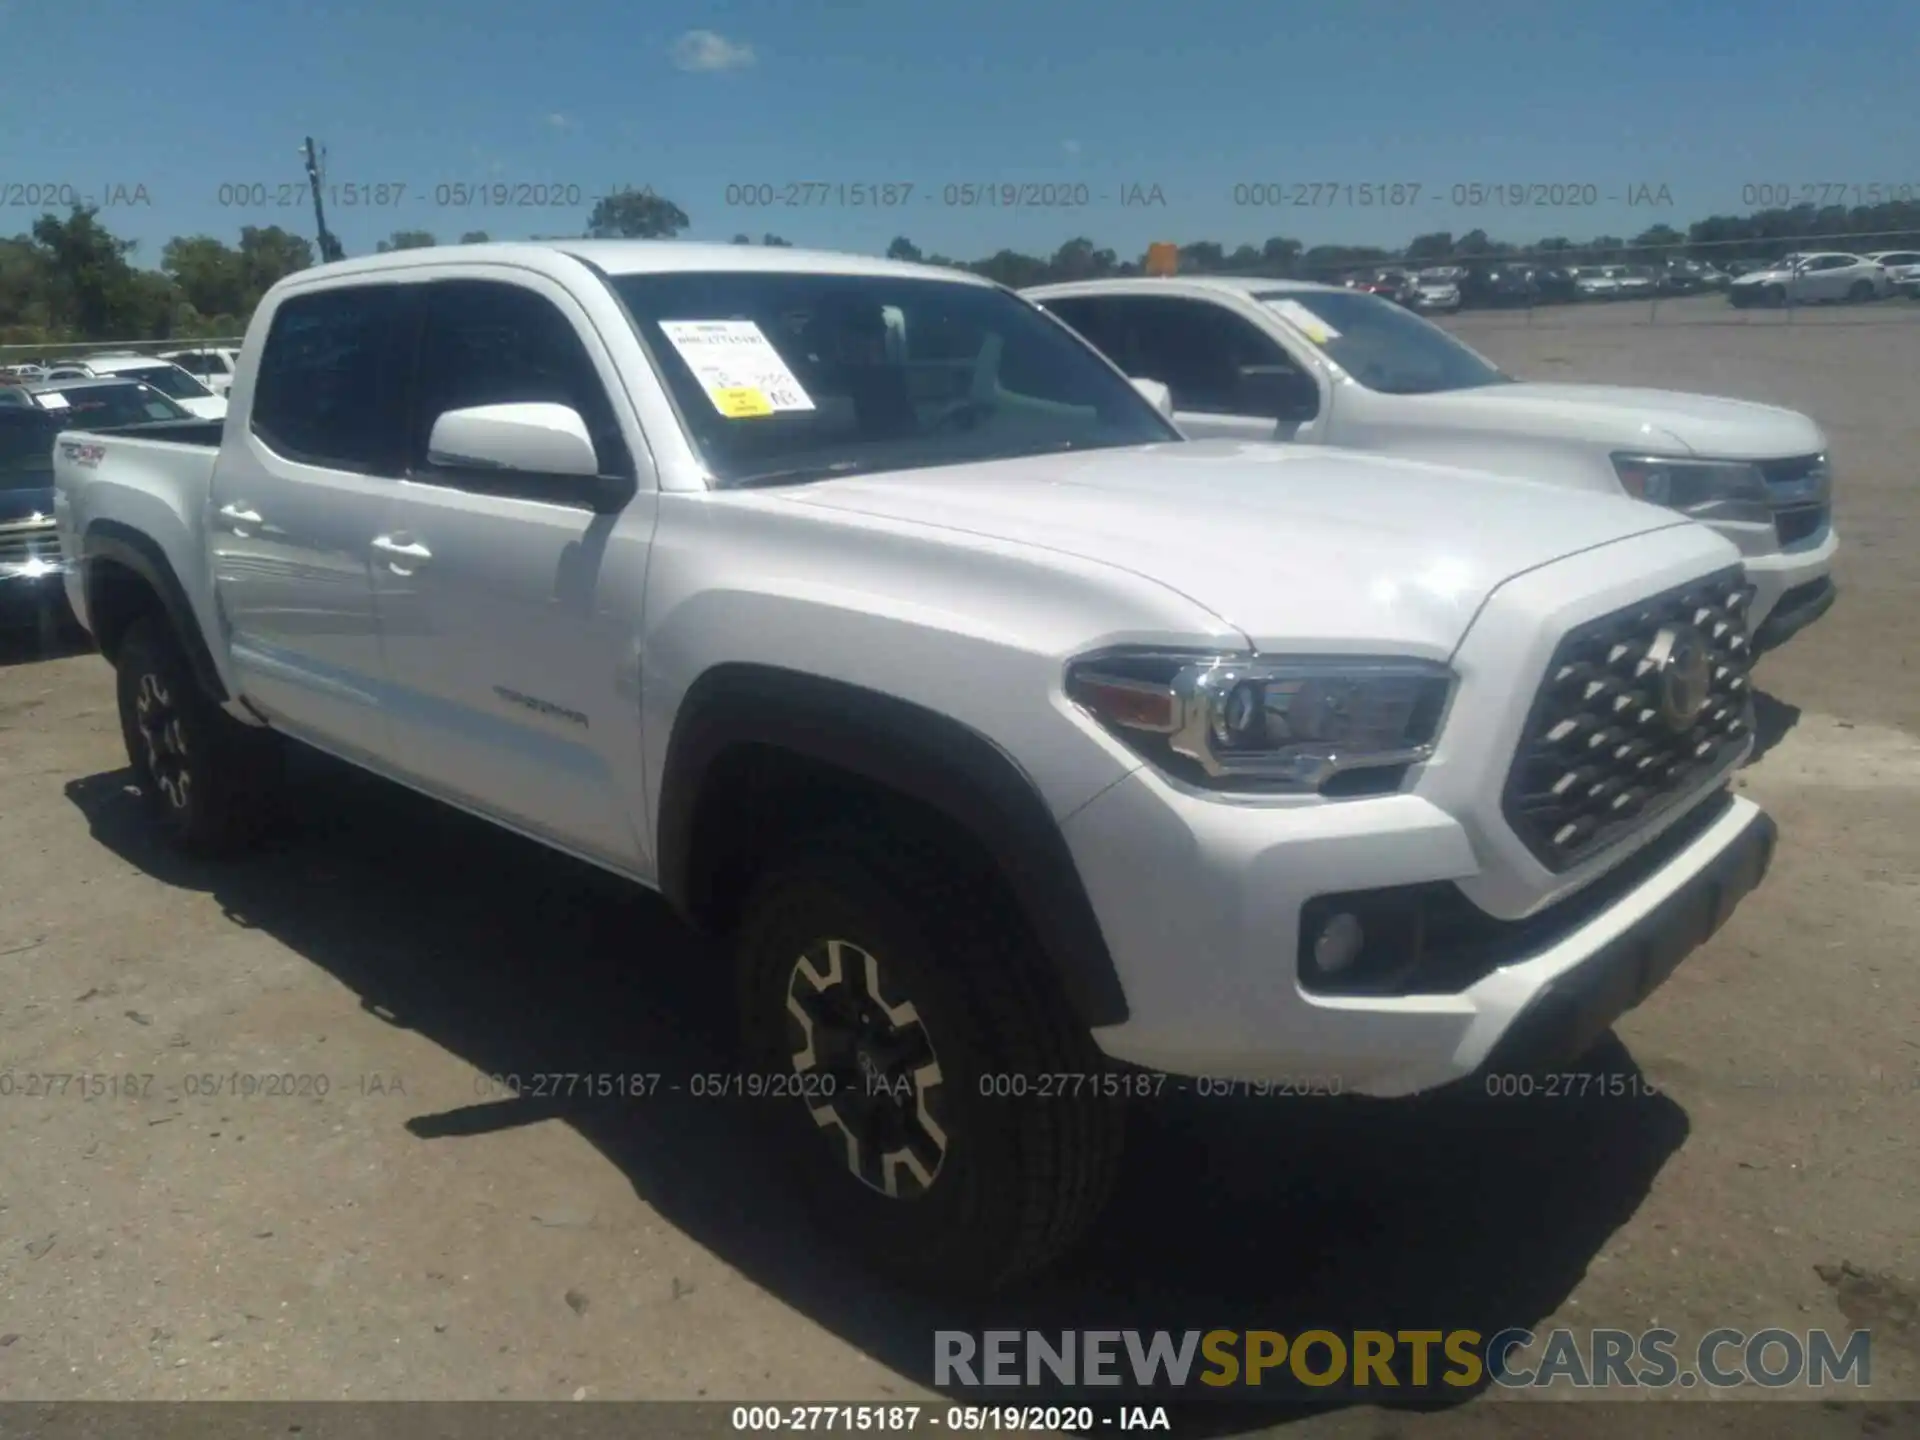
(168, 380)
(786, 376)
(1383, 346)
(92, 406)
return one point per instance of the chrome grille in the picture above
(22, 542)
(1608, 745)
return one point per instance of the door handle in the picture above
(239, 515)
(403, 557)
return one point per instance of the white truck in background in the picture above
(1258, 359)
(1030, 757)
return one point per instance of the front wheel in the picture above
(941, 1107)
(209, 780)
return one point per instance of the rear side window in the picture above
(331, 389)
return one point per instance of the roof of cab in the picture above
(641, 257)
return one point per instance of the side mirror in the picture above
(538, 439)
(1277, 392)
(530, 451)
(1155, 394)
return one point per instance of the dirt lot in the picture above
(412, 1233)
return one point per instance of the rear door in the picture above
(511, 609)
(298, 498)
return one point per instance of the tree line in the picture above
(71, 280)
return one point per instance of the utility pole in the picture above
(329, 247)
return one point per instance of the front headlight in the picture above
(1268, 724)
(1729, 490)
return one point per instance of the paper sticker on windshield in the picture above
(53, 400)
(737, 366)
(1316, 329)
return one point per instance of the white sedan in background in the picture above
(1818, 277)
(1902, 267)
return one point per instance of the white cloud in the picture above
(704, 50)
(557, 121)
(1072, 147)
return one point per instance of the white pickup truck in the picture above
(1029, 754)
(1319, 365)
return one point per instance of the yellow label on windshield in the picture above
(742, 402)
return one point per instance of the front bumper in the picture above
(1207, 942)
(1209, 904)
(1570, 1014)
(1790, 578)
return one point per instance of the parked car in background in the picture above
(1502, 285)
(1595, 282)
(32, 587)
(1825, 277)
(165, 376)
(1312, 365)
(1902, 267)
(998, 732)
(1555, 285)
(212, 368)
(1634, 282)
(113, 402)
(1435, 292)
(1390, 284)
(1690, 277)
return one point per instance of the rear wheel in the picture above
(209, 780)
(1862, 291)
(942, 1108)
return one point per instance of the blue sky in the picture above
(1195, 97)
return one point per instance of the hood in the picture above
(1325, 550)
(207, 407)
(1759, 277)
(1663, 421)
(24, 504)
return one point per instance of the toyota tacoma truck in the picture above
(1025, 753)
(1285, 360)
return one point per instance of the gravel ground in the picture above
(396, 1228)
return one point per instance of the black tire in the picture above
(209, 781)
(1861, 292)
(1015, 1179)
(1776, 295)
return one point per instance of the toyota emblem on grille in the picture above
(1683, 673)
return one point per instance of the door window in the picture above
(489, 343)
(1195, 348)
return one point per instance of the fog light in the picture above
(1338, 944)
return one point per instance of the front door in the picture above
(510, 611)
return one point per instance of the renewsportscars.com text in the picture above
(1446, 1361)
